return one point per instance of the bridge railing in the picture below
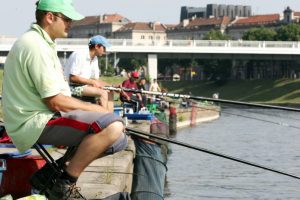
(68, 42)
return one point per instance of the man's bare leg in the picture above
(93, 146)
(110, 102)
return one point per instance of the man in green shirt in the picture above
(38, 107)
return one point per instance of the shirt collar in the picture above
(88, 57)
(43, 33)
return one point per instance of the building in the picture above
(232, 11)
(97, 25)
(196, 28)
(239, 26)
(215, 11)
(190, 12)
(142, 31)
(289, 16)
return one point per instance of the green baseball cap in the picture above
(61, 6)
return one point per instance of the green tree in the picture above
(290, 32)
(163, 65)
(260, 34)
(216, 35)
(102, 63)
(110, 70)
(218, 70)
(125, 63)
(131, 64)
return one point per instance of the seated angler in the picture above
(131, 97)
(82, 72)
(38, 107)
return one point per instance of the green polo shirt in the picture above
(32, 72)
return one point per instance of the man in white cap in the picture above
(82, 72)
(38, 107)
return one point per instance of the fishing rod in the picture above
(173, 95)
(253, 118)
(140, 133)
(185, 96)
(247, 117)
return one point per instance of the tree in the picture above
(102, 63)
(260, 34)
(290, 32)
(110, 71)
(216, 35)
(218, 70)
(164, 65)
(131, 64)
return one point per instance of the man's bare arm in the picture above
(64, 103)
(85, 81)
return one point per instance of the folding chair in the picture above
(57, 166)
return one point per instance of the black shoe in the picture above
(44, 178)
(64, 190)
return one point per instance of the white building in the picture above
(97, 25)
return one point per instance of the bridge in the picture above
(153, 50)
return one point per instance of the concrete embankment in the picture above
(203, 114)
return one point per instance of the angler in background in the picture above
(142, 85)
(130, 97)
(154, 87)
(82, 72)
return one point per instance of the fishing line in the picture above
(249, 117)
(139, 133)
(254, 118)
(261, 112)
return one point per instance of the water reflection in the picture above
(195, 175)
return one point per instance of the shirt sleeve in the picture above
(45, 72)
(74, 64)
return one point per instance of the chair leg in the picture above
(57, 166)
(46, 156)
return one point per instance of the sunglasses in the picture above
(65, 19)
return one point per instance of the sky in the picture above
(17, 15)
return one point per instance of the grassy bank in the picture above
(284, 91)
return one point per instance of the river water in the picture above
(272, 141)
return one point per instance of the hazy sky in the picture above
(17, 15)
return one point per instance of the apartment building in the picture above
(97, 25)
(196, 28)
(141, 32)
(239, 26)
